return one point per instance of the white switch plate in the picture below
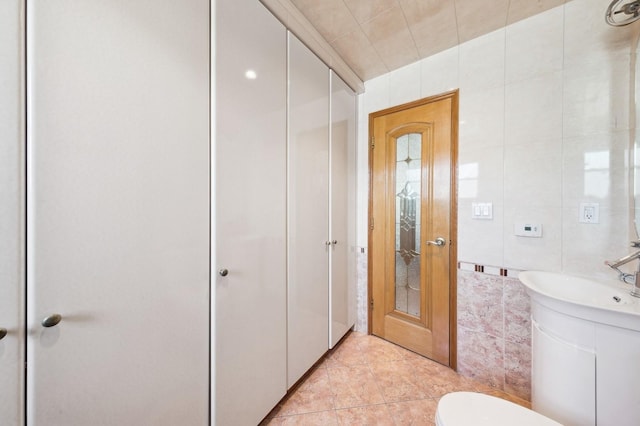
(482, 211)
(589, 213)
(527, 229)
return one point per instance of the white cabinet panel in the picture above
(570, 402)
(342, 208)
(11, 212)
(118, 212)
(308, 210)
(618, 378)
(250, 213)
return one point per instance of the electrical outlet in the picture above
(589, 213)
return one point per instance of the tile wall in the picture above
(545, 125)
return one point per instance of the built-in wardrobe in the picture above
(284, 151)
(176, 212)
(104, 212)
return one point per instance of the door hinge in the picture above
(371, 224)
(371, 304)
(373, 142)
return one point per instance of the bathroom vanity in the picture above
(585, 349)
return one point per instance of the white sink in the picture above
(585, 342)
(602, 301)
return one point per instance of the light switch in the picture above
(482, 211)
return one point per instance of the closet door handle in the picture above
(3, 332)
(223, 272)
(51, 320)
(334, 242)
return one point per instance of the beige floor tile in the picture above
(368, 381)
(371, 415)
(354, 386)
(397, 381)
(313, 395)
(348, 353)
(310, 419)
(420, 412)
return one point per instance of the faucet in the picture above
(633, 279)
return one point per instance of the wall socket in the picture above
(589, 213)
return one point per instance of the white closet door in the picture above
(11, 212)
(308, 288)
(118, 212)
(343, 273)
(250, 212)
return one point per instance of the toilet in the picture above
(470, 408)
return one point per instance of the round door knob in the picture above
(334, 242)
(223, 272)
(51, 320)
(3, 332)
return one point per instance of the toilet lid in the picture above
(470, 408)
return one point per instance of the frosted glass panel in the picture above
(408, 196)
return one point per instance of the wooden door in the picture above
(250, 214)
(412, 225)
(118, 212)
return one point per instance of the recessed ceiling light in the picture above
(251, 75)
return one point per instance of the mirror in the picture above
(635, 148)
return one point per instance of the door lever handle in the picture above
(438, 242)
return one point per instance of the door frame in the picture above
(453, 214)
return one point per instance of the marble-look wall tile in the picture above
(517, 312)
(494, 331)
(362, 291)
(481, 357)
(480, 300)
(517, 369)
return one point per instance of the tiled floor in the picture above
(369, 381)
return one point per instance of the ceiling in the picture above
(377, 36)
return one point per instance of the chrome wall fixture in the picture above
(622, 12)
